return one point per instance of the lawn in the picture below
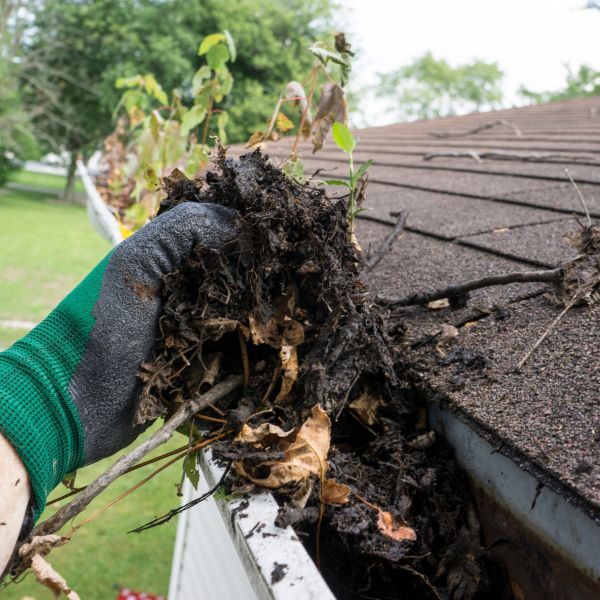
(47, 248)
(43, 181)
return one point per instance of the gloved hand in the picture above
(69, 389)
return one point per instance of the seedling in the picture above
(357, 179)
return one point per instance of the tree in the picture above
(16, 138)
(585, 81)
(429, 87)
(79, 48)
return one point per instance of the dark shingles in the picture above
(419, 264)
(450, 216)
(550, 410)
(561, 195)
(543, 243)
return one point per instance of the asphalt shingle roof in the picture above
(470, 219)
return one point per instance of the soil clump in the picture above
(330, 417)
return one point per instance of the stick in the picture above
(499, 123)
(387, 244)
(585, 208)
(546, 333)
(457, 290)
(478, 157)
(65, 514)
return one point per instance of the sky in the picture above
(531, 40)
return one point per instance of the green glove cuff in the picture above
(37, 413)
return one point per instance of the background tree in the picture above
(429, 87)
(585, 81)
(16, 137)
(77, 49)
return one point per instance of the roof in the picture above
(474, 216)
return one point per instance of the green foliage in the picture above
(357, 179)
(79, 48)
(16, 137)
(429, 87)
(164, 133)
(583, 82)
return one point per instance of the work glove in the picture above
(69, 389)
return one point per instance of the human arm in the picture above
(14, 499)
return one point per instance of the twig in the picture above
(175, 511)
(458, 290)
(387, 244)
(546, 333)
(499, 123)
(65, 514)
(134, 468)
(479, 157)
(244, 354)
(585, 208)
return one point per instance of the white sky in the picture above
(530, 39)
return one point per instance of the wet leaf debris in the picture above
(329, 417)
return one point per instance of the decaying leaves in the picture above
(289, 369)
(334, 492)
(294, 92)
(365, 407)
(49, 578)
(394, 528)
(438, 304)
(332, 108)
(304, 452)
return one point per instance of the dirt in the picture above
(284, 305)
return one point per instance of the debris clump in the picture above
(328, 417)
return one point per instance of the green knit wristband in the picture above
(37, 413)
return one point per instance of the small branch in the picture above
(585, 208)
(547, 332)
(479, 157)
(499, 123)
(462, 289)
(388, 242)
(65, 514)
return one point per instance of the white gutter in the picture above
(243, 549)
(101, 218)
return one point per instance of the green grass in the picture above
(42, 180)
(102, 556)
(47, 248)
(9, 335)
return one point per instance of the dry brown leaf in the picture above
(255, 139)
(365, 407)
(264, 333)
(289, 369)
(334, 492)
(305, 452)
(332, 107)
(295, 92)
(293, 332)
(396, 530)
(438, 304)
(49, 578)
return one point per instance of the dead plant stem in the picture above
(65, 514)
